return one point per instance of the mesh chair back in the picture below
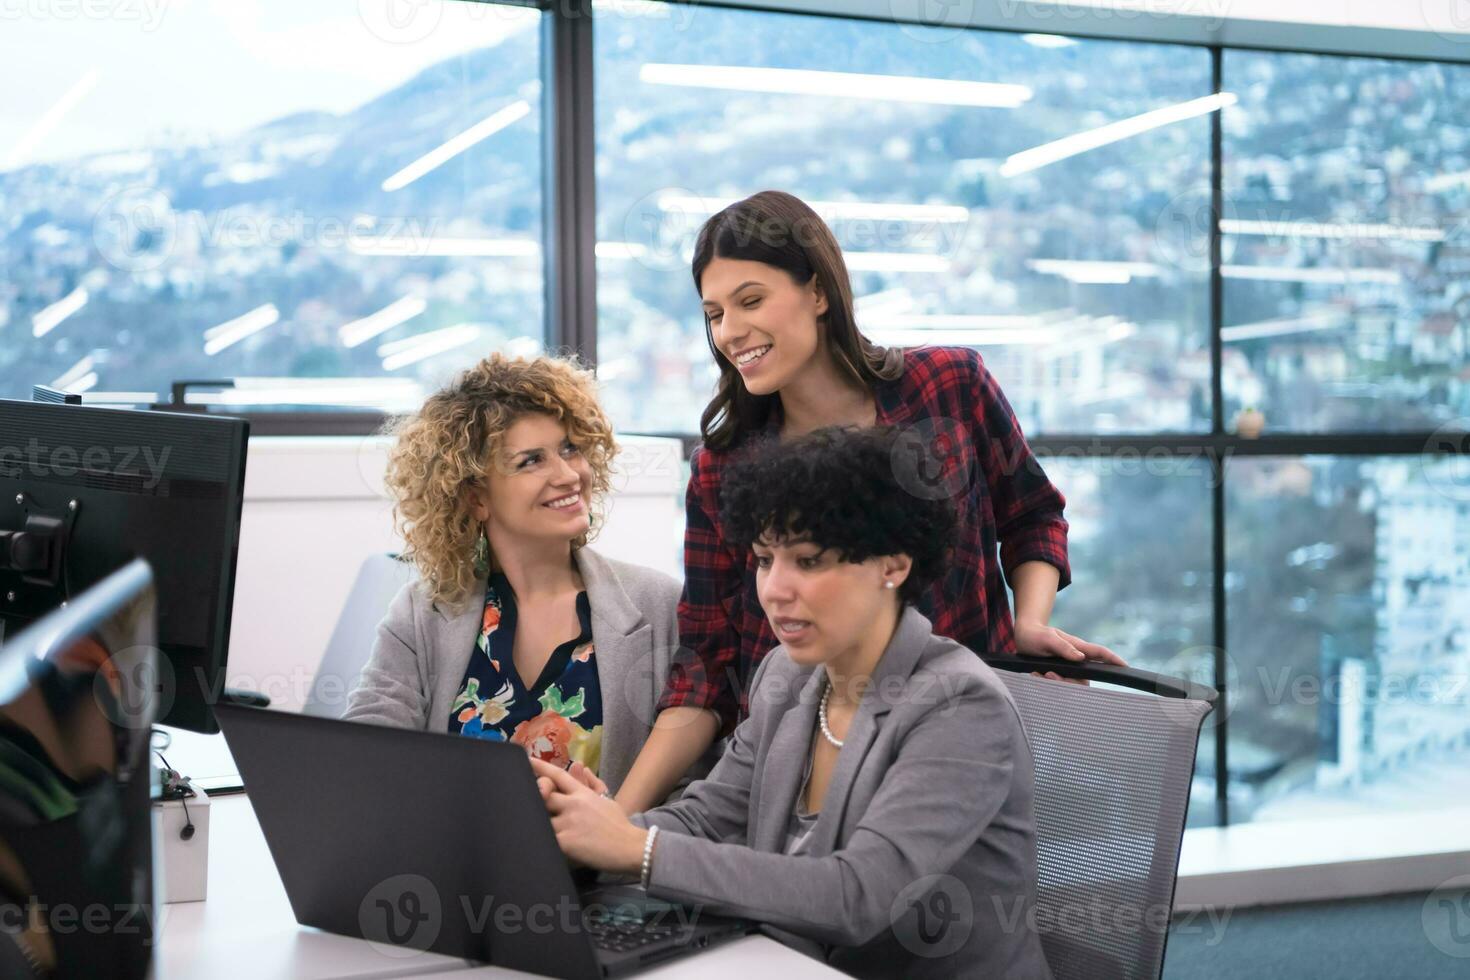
(1113, 770)
(378, 581)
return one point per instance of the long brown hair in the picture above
(780, 230)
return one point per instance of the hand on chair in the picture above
(1038, 639)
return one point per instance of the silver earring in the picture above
(482, 554)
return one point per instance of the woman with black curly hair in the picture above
(875, 807)
(779, 317)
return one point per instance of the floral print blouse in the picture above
(559, 717)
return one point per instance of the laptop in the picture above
(430, 841)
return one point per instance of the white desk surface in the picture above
(245, 929)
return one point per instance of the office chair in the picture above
(1113, 771)
(377, 582)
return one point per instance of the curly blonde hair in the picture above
(452, 441)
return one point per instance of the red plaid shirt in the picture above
(1003, 498)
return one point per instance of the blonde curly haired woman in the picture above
(515, 629)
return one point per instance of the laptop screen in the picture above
(78, 692)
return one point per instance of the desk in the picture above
(246, 930)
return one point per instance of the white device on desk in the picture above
(180, 836)
(181, 810)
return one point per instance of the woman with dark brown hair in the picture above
(779, 316)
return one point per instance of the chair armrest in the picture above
(1130, 677)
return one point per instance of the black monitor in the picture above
(78, 695)
(84, 490)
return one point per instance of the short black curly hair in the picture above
(840, 488)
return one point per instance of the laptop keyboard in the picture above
(619, 931)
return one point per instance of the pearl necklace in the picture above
(822, 718)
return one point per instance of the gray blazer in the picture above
(923, 860)
(423, 649)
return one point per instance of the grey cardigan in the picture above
(423, 649)
(923, 859)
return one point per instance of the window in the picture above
(952, 176)
(1347, 242)
(1139, 546)
(331, 207)
(1349, 635)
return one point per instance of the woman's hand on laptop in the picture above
(589, 827)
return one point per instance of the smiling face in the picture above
(538, 486)
(762, 320)
(821, 607)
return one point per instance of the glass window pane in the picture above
(1139, 546)
(1347, 241)
(1081, 274)
(1349, 635)
(335, 206)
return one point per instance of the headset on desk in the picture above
(175, 786)
(179, 787)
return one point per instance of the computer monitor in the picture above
(84, 490)
(78, 695)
